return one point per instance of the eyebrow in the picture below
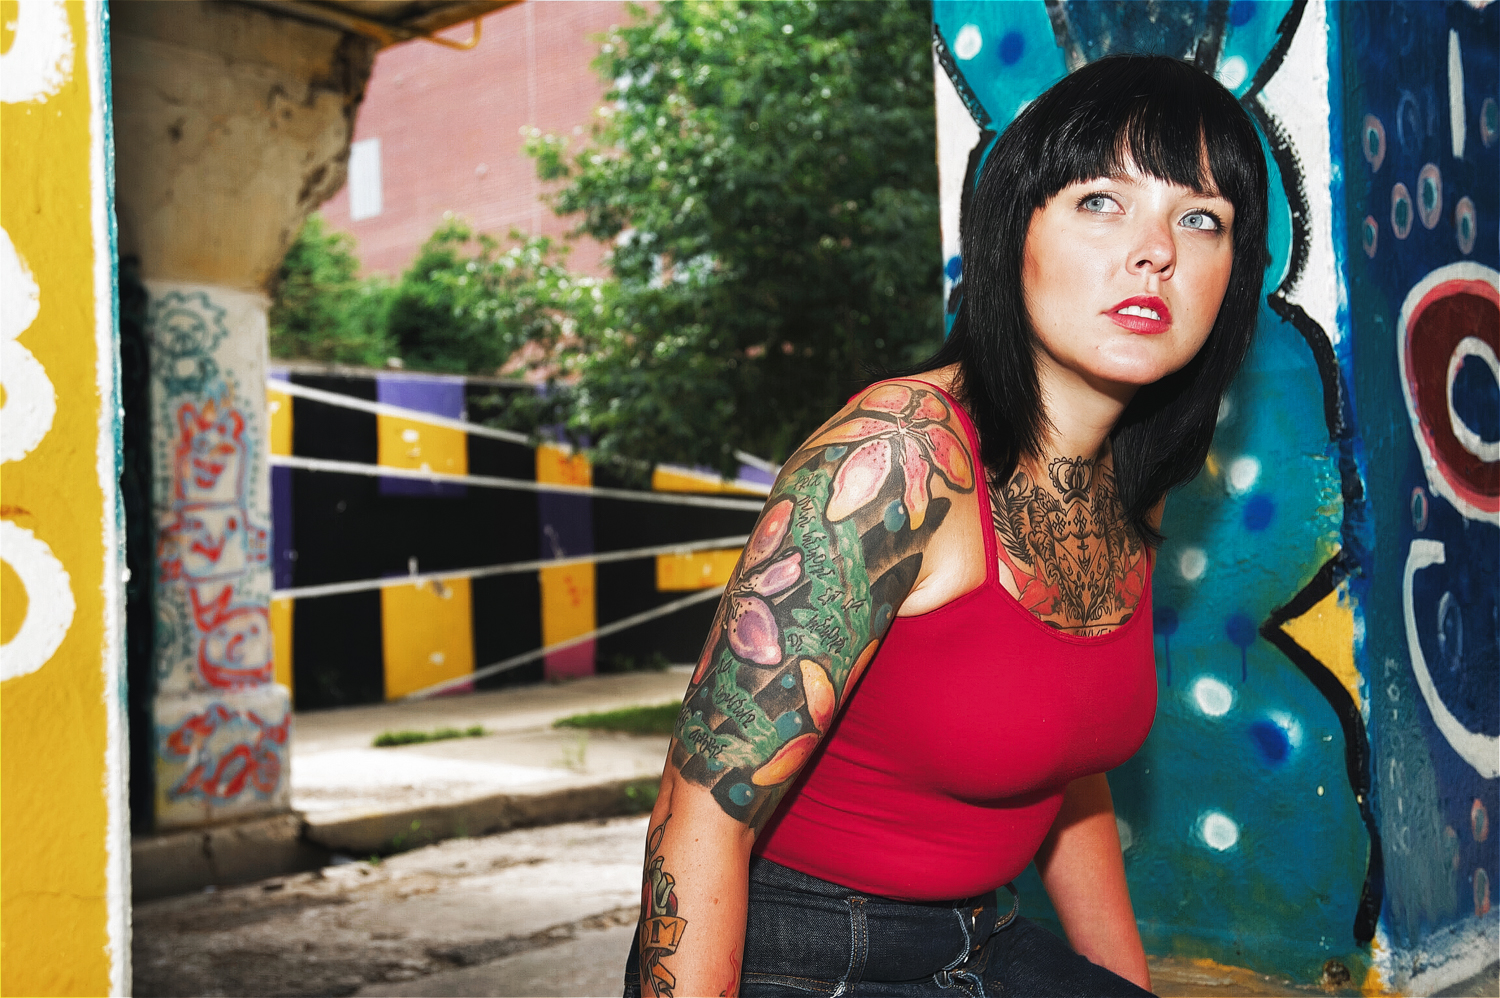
(1120, 177)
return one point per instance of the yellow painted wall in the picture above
(567, 591)
(64, 895)
(409, 443)
(665, 478)
(282, 614)
(427, 632)
(279, 408)
(695, 570)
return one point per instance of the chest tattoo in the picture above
(1077, 563)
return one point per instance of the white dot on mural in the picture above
(1212, 696)
(968, 43)
(1289, 726)
(1127, 837)
(1243, 474)
(1192, 564)
(1226, 409)
(1233, 72)
(1218, 830)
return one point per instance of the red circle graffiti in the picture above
(1449, 313)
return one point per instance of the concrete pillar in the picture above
(231, 126)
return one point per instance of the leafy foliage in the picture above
(322, 310)
(766, 173)
(466, 305)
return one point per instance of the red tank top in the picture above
(947, 767)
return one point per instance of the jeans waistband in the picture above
(836, 934)
(773, 874)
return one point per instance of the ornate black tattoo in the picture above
(1078, 565)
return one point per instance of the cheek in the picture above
(1209, 290)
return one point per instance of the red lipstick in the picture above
(1142, 323)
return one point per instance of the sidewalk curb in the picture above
(240, 852)
(234, 852)
(398, 830)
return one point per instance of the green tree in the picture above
(322, 310)
(766, 172)
(466, 305)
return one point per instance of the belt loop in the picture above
(859, 946)
(1015, 908)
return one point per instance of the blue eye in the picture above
(1098, 203)
(1201, 220)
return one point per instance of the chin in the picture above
(1133, 375)
(1138, 367)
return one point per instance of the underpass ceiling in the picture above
(387, 21)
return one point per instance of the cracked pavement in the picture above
(538, 911)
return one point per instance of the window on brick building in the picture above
(364, 179)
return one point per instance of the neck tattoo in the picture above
(1077, 563)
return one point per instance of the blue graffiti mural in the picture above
(1258, 818)
(1422, 205)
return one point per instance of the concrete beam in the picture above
(231, 125)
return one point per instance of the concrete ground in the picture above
(545, 911)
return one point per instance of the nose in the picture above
(1154, 251)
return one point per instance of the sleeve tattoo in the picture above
(833, 555)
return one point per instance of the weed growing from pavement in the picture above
(575, 756)
(387, 739)
(657, 720)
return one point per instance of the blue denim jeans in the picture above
(806, 937)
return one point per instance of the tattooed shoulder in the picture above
(1077, 563)
(835, 552)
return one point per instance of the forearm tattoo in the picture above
(834, 554)
(1077, 563)
(661, 928)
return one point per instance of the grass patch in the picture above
(657, 720)
(640, 796)
(387, 739)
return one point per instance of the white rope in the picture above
(386, 409)
(479, 430)
(769, 467)
(521, 484)
(510, 568)
(598, 632)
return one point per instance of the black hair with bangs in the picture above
(1162, 115)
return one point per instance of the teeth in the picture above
(1138, 310)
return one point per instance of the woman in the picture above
(987, 526)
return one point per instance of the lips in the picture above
(1136, 315)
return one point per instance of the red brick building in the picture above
(441, 130)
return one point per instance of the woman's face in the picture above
(1123, 278)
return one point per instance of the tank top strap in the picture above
(981, 482)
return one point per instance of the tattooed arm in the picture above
(835, 553)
